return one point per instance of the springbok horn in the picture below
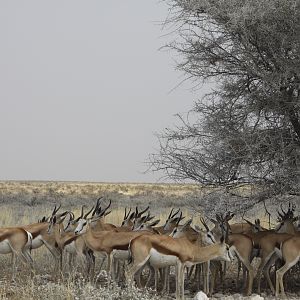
(170, 213)
(80, 217)
(142, 212)
(97, 206)
(86, 215)
(175, 213)
(143, 219)
(179, 219)
(53, 212)
(57, 209)
(104, 210)
(125, 214)
(136, 211)
(95, 210)
(280, 215)
(282, 209)
(148, 218)
(81, 212)
(204, 223)
(108, 206)
(291, 208)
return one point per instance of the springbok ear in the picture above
(198, 229)
(154, 223)
(213, 221)
(131, 216)
(94, 219)
(187, 223)
(107, 213)
(230, 217)
(61, 220)
(63, 214)
(149, 218)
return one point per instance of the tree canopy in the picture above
(247, 130)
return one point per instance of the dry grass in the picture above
(43, 283)
(26, 202)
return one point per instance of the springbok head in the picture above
(221, 228)
(74, 223)
(56, 219)
(224, 250)
(173, 219)
(138, 223)
(148, 227)
(84, 223)
(182, 231)
(286, 219)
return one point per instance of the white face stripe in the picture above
(80, 226)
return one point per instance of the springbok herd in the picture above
(138, 244)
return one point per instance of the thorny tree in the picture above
(247, 130)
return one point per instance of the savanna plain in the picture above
(27, 202)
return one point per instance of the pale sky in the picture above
(83, 89)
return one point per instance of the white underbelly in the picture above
(158, 260)
(70, 248)
(37, 242)
(121, 254)
(5, 247)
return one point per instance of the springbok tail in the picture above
(29, 242)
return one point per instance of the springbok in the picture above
(171, 222)
(17, 241)
(105, 241)
(163, 251)
(69, 242)
(290, 251)
(41, 237)
(200, 237)
(239, 243)
(129, 219)
(269, 243)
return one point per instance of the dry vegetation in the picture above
(26, 202)
(76, 193)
